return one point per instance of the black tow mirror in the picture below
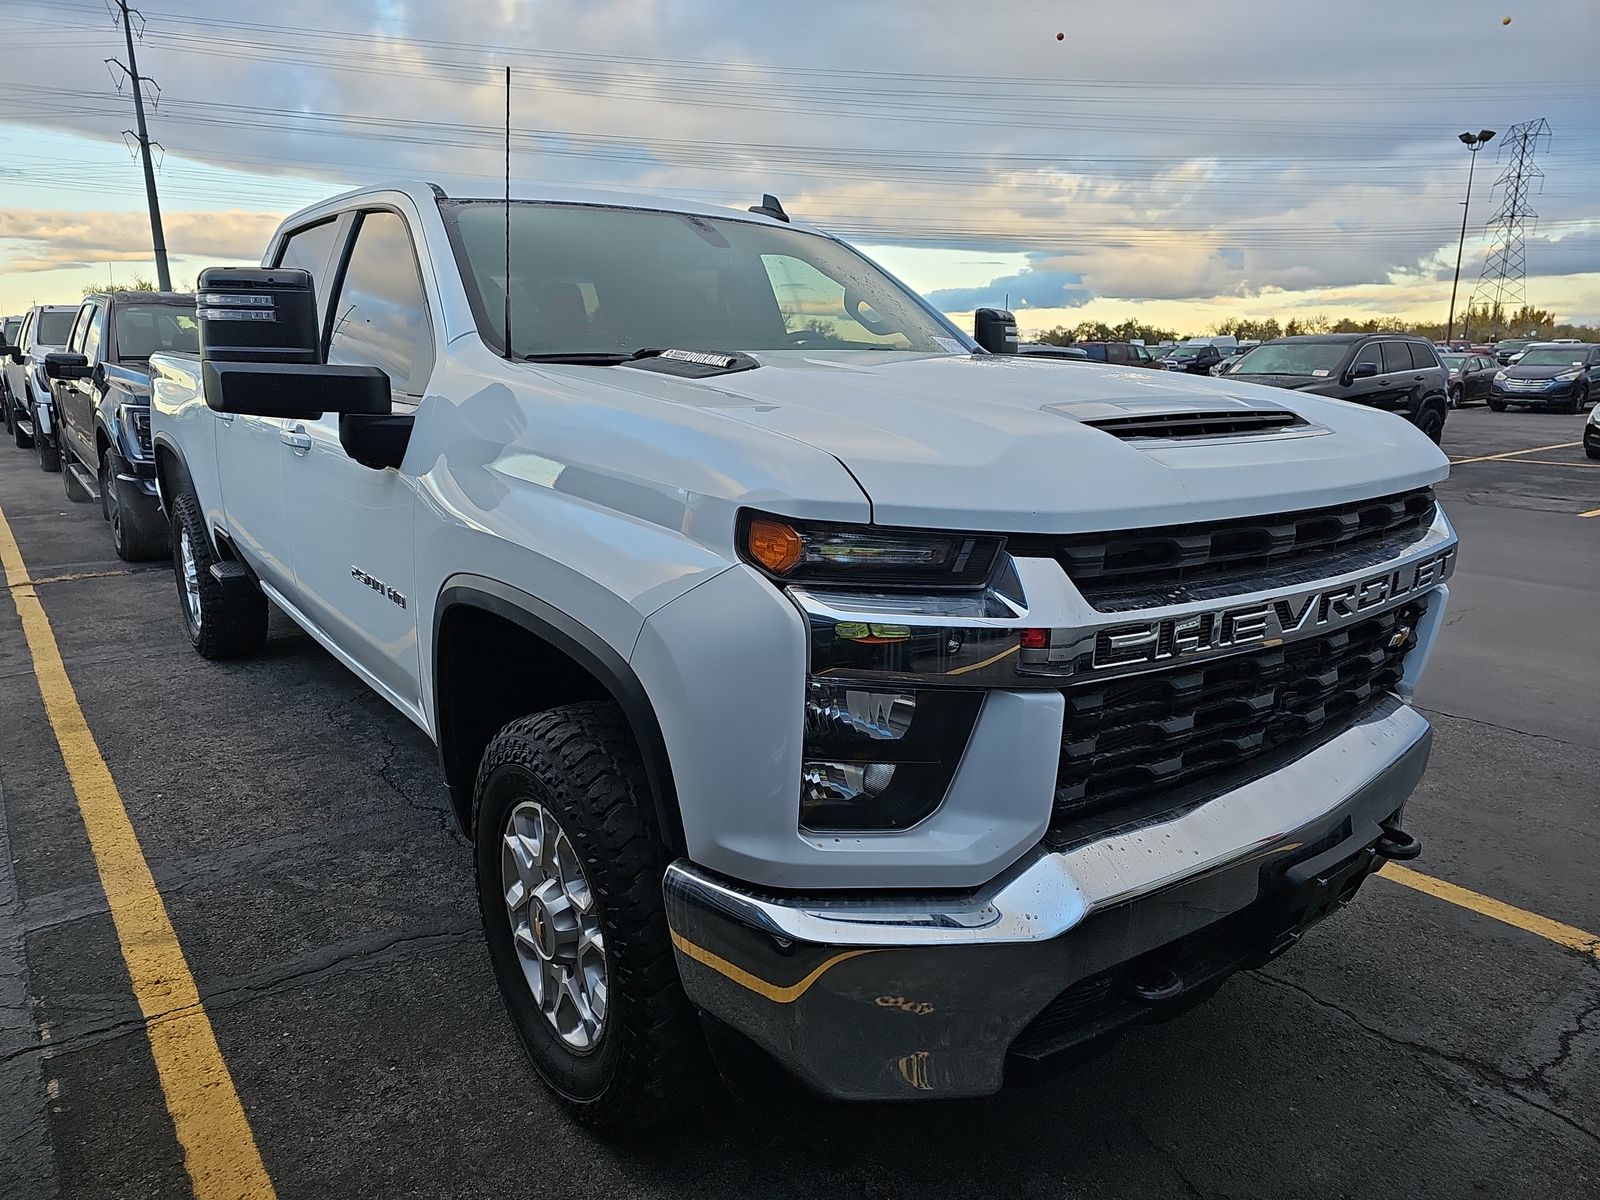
(995, 330)
(1363, 370)
(261, 349)
(63, 364)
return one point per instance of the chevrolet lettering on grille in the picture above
(1263, 622)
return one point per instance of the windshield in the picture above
(1292, 358)
(1552, 356)
(1513, 345)
(144, 329)
(589, 280)
(1453, 361)
(54, 327)
(1182, 355)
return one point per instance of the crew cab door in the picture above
(251, 450)
(74, 399)
(351, 525)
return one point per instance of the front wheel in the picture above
(1496, 405)
(569, 867)
(1431, 421)
(221, 622)
(138, 532)
(1454, 399)
(49, 453)
(1580, 398)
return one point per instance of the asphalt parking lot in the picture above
(300, 837)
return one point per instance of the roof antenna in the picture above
(507, 289)
(770, 207)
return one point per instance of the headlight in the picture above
(1499, 376)
(134, 420)
(812, 552)
(880, 758)
(1569, 377)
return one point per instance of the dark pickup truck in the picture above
(100, 391)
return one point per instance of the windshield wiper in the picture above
(596, 358)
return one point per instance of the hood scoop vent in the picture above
(1169, 426)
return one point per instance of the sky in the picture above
(1180, 163)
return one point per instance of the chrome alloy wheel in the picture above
(191, 579)
(554, 925)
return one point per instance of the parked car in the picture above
(100, 393)
(1564, 375)
(1046, 350)
(44, 329)
(1229, 361)
(1121, 354)
(1396, 372)
(1508, 348)
(1591, 433)
(1195, 360)
(10, 331)
(1470, 376)
(770, 743)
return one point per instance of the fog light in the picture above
(834, 709)
(835, 782)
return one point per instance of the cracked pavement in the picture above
(301, 836)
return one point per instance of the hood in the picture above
(1521, 372)
(1003, 443)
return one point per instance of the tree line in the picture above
(1478, 323)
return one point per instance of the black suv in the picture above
(100, 391)
(1119, 354)
(1392, 371)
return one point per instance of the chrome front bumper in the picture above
(924, 996)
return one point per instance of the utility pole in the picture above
(131, 69)
(1473, 142)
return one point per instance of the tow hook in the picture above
(1397, 845)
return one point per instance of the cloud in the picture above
(1027, 289)
(49, 240)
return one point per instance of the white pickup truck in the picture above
(818, 687)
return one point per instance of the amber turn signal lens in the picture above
(774, 545)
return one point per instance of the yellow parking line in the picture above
(219, 1151)
(1593, 512)
(1456, 462)
(1530, 922)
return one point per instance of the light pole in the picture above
(1473, 142)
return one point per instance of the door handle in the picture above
(296, 438)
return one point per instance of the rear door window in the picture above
(1396, 357)
(311, 249)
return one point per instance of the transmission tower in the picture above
(1502, 286)
(120, 10)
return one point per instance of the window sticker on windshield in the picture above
(949, 345)
(1322, 372)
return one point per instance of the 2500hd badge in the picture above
(1264, 622)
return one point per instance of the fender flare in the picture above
(588, 650)
(172, 471)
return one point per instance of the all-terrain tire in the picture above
(138, 531)
(49, 453)
(221, 624)
(580, 764)
(1431, 421)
